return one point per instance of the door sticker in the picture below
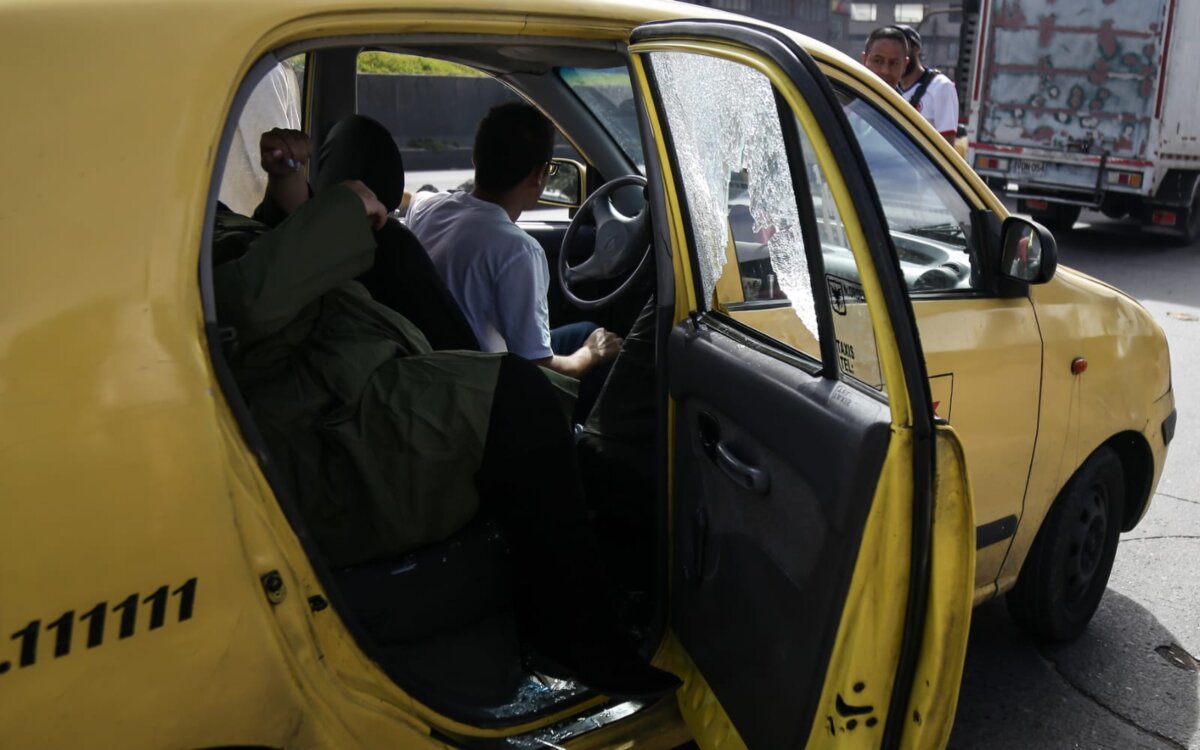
(857, 354)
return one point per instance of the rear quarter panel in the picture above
(122, 470)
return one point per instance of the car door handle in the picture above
(742, 473)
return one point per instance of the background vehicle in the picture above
(1079, 104)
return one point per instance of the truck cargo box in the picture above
(1090, 103)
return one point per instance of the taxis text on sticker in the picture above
(845, 357)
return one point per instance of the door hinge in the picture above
(273, 586)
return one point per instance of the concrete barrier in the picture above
(432, 118)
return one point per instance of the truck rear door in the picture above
(1076, 77)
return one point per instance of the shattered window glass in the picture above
(729, 148)
(727, 133)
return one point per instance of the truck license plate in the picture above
(1029, 168)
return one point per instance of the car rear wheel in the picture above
(1067, 569)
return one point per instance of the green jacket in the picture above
(379, 436)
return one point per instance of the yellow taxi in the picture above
(877, 400)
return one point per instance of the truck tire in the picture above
(1189, 228)
(1179, 194)
(1066, 572)
(1060, 217)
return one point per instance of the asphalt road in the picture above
(1132, 680)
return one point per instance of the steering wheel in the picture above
(622, 244)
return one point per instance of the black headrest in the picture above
(359, 148)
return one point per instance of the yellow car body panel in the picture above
(137, 476)
(1025, 432)
(131, 480)
(1125, 391)
(938, 675)
(984, 362)
(863, 631)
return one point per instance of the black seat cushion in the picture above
(433, 590)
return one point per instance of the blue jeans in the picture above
(566, 340)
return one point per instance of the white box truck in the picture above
(1090, 104)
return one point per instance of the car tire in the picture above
(1060, 217)
(1066, 572)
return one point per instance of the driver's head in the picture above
(886, 54)
(513, 144)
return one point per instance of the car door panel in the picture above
(802, 595)
(818, 446)
(981, 339)
(992, 350)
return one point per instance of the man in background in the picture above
(929, 91)
(886, 54)
(275, 103)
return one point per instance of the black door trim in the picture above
(995, 531)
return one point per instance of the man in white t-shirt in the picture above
(496, 272)
(928, 90)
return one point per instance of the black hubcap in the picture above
(1086, 542)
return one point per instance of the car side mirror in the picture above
(564, 183)
(1028, 251)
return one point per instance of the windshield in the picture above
(608, 94)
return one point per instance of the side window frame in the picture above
(826, 366)
(984, 227)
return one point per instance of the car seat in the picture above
(405, 279)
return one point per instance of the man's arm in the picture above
(600, 346)
(325, 243)
(523, 319)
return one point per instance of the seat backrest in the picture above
(405, 279)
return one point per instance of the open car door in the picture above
(822, 535)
